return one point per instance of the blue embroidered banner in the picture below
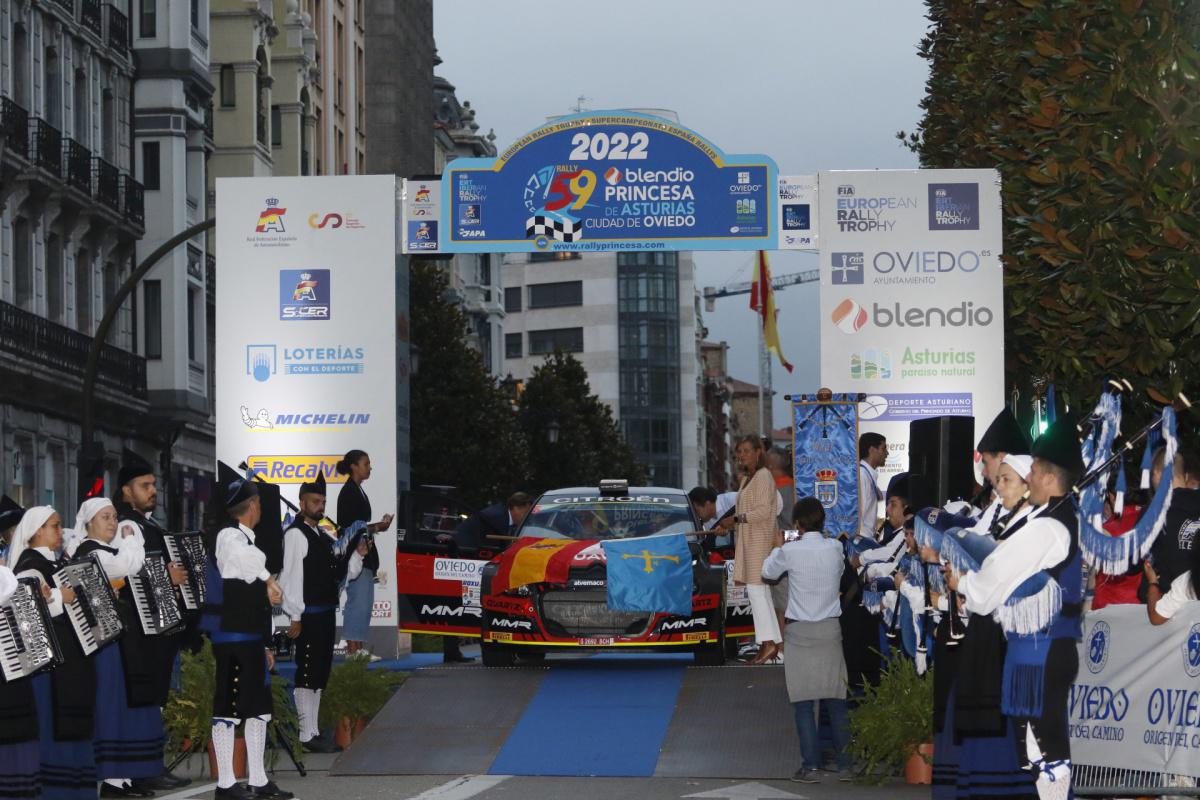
(825, 453)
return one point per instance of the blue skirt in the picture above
(129, 741)
(988, 767)
(20, 776)
(68, 768)
(356, 616)
(946, 755)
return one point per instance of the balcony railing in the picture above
(118, 30)
(47, 146)
(66, 5)
(79, 165)
(63, 350)
(14, 125)
(108, 183)
(89, 17)
(208, 120)
(135, 200)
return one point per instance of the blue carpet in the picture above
(589, 718)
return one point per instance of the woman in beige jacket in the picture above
(756, 534)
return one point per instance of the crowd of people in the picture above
(93, 724)
(976, 605)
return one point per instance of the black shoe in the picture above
(457, 658)
(805, 775)
(160, 783)
(108, 790)
(271, 791)
(239, 791)
(320, 744)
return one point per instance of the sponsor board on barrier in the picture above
(469, 571)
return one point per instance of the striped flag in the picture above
(762, 300)
(533, 560)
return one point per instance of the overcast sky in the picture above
(815, 84)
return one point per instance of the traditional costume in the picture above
(310, 596)
(128, 738)
(66, 696)
(20, 773)
(10, 516)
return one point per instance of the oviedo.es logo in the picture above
(304, 294)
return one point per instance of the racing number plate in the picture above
(734, 595)
(597, 641)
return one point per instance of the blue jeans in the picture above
(806, 728)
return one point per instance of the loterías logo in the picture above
(270, 219)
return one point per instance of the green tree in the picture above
(1088, 108)
(464, 431)
(589, 445)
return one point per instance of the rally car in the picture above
(556, 606)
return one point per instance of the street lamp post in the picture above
(552, 431)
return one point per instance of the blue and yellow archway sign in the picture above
(593, 182)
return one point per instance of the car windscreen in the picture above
(607, 517)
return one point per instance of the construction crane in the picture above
(711, 294)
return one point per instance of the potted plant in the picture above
(353, 695)
(892, 726)
(187, 717)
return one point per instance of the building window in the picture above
(112, 281)
(537, 258)
(25, 472)
(53, 95)
(54, 491)
(276, 127)
(148, 18)
(195, 15)
(81, 107)
(151, 175)
(553, 295)
(512, 346)
(152, 293)
(54, 278)
(228, 86)
(83, 292)
(193, 299)
(21, 84)
(512, 300)
(108, 126)
(568, 340)
(23, 263)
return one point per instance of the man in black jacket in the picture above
(1171, 553)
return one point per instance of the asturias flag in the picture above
(762, 300)
(653, 573)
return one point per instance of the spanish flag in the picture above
(762, 300)
(536, 561)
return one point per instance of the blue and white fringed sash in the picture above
(1031, 607)
(1023, 686)
(1116, 554)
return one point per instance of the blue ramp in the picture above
(600, 717)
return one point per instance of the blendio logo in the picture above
(447, 611)
(516, 624)
(964, 315)
(685, 624)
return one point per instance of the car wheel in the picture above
(496, 656)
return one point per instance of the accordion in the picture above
(27, 641)
(154, 596)
(187, 550)
(94, 614)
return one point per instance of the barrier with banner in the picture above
(825, 458)
(912, 297)
(609, 180)
(1135, 706)
(306, 338)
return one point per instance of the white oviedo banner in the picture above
(912, 296)
(1136, 704)
(306, 338)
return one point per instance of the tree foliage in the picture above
(589, 445)
(464, 433)
(1088, 108)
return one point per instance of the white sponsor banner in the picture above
(468, 571)
(305, 339)
(1136, 702)
(912, 297)
(798, 212)
(421, 211)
